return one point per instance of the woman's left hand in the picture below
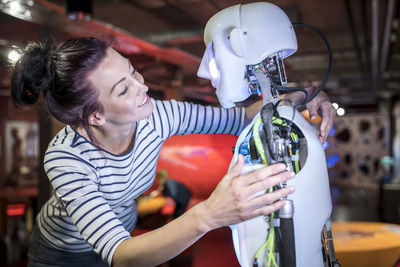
(322, 106)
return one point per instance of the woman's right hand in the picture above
(235, 200)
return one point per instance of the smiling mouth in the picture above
(145, 100)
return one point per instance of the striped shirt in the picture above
(93, 206)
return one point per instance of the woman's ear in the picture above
(97, 118)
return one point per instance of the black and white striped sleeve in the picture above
(177, 118)
(74, 183)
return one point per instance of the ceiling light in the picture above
(13, 56)
(340, 111)
(15, 7)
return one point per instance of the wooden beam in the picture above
(200, 10)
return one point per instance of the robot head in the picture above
(243, 35)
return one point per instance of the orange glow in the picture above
(306, 115)
(199, 161)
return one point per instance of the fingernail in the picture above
(291, 174)
(291, 189)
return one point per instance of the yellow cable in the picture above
(257, 141)
(296, 163)
(270, 242)
(295, 138)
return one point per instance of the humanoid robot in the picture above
(245, 48)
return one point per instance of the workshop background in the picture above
(164, 41)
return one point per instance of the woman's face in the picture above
(122, 90)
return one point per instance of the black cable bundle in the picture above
(287, 252)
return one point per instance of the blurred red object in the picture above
(199, 161)
(16, 209)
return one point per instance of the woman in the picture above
(106, 157)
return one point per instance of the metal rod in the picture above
(386, 39)
(375, 44)
(355, 40)
(366, 39)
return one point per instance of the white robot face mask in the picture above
(239, 36)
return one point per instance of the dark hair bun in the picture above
(34, 72)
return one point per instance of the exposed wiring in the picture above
(258, 142)
(241, 138)
(294, 89)
(270, 242)
(281, 124)
(264, 68)
(261, 69)
(295, 140)
(294, 112)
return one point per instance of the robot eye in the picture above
(212, 67)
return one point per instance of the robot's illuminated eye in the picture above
(208, 68)
(212, 66)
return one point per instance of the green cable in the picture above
(261, 249)
(271, 233)
(257, 141)
(278, 121)
(266, 243)
(271, 243)
(295, 138)
(296, 163)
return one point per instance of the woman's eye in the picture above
(124, 91)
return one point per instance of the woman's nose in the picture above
(144, 87)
